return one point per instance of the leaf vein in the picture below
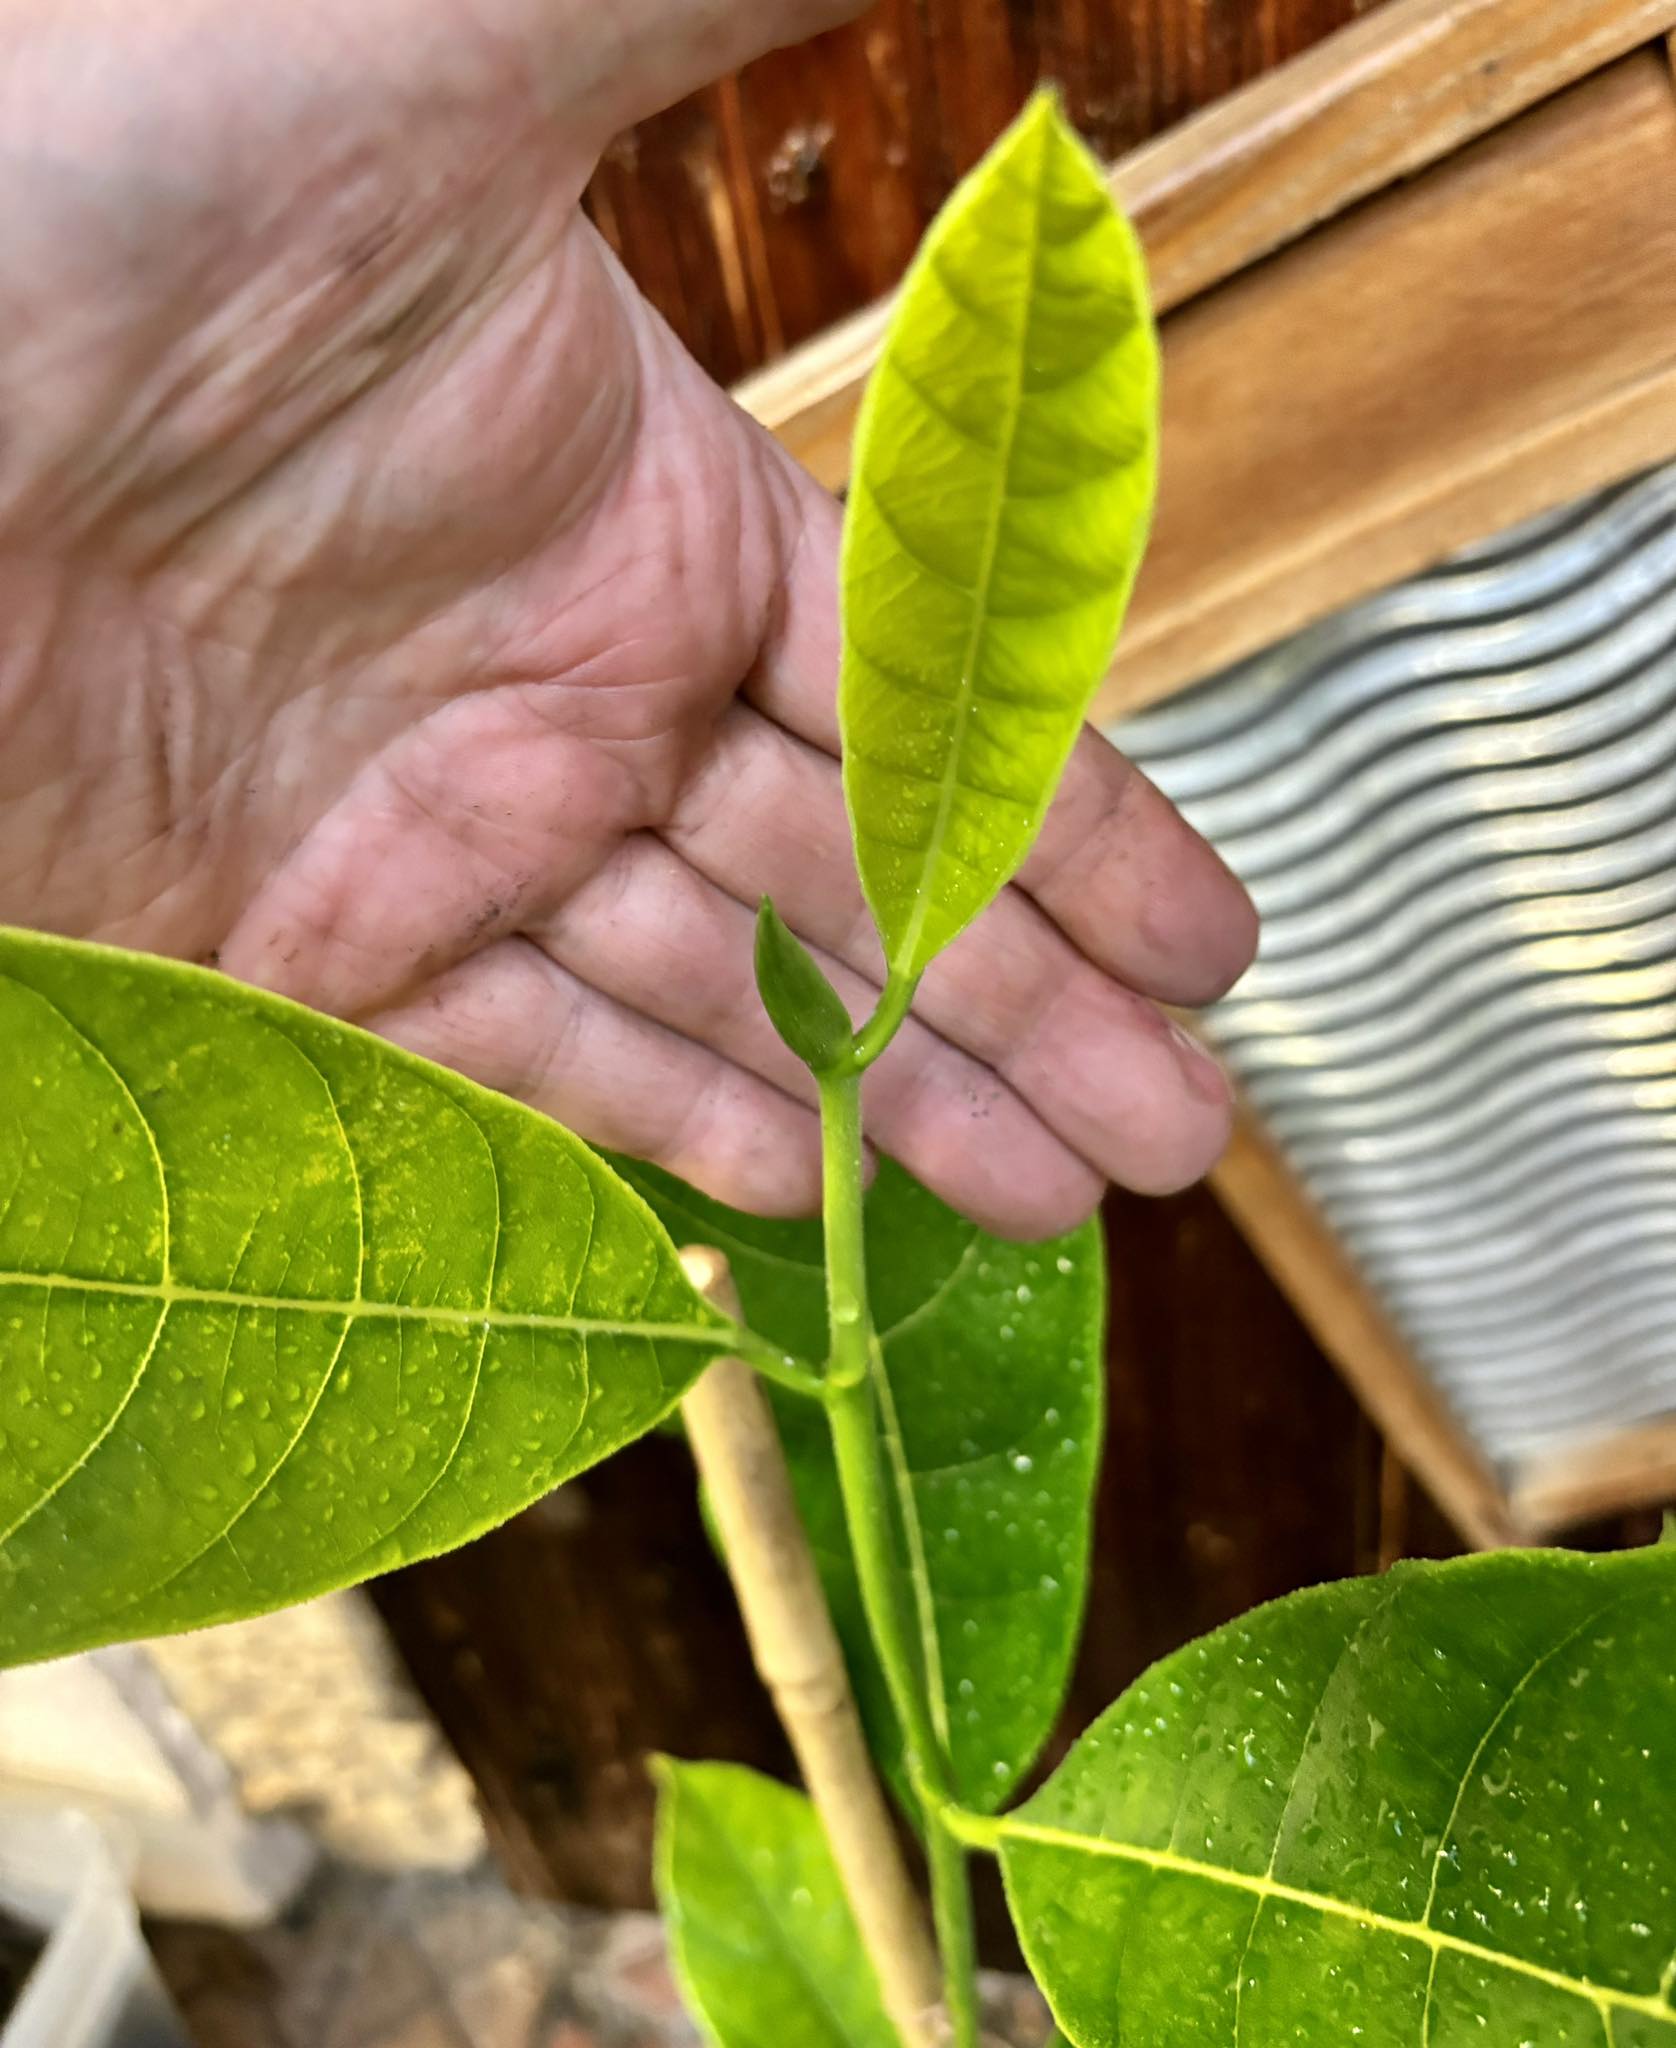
(986, 571)
(937, 407)
(100, 1437)
(913, 549)
(376, 1311)
(349, 1154)
(949, 1281)
(104, 1060)
(1012, 1827)
(800, 1969)
(180, 1570)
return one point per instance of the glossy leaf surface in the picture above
(281, 1306)
(1423, 1811)
(802, 1004)
(1002, 486)
(991, 1419)
(762, 1937)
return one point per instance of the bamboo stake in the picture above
(796, 1652)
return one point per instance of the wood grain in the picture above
(1496, 338)
(811, 176)
(1382, 99)
(663, 199)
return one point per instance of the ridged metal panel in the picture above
(1455, 805)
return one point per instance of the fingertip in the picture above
(1228, 938)
(1137, 888)
(1191, 1132)
(1194, 928)
(1202, 1073)
(1168, 1169)
(1038, 1207)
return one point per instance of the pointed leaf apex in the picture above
(1003, 479)
(802, 1004)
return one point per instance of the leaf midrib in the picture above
(980, 587)
(363, 1307)
(817, 1991)
(1649, 2006)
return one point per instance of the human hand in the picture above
(391, 611)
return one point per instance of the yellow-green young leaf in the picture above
(992, 1378)
(1003, 481)
(762, 1937)
(281, 1306)
(1432, 1810)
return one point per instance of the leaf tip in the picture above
(803, 1006)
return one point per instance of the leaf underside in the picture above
(763, 1941)
(991, 1419)
(281, 1306)
(1002, 487)
(1424, 1811)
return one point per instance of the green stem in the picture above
(849, 1322)
(951, 1915)
(782, 1367)
(885, 1021)
(852, 1414)
(977, 1830)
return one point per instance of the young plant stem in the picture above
(796, 1651)
(894, 1001)
(777, 1365)
(853, 1416)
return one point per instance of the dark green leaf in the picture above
(281, 1306)
(801, 1003)
(762, 1937)
(993, 1357)
(1003, 481)
(1432, 1810)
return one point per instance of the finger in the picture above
(517, 1021)
(440, 845)
(1101, 1066)
(1125, 876)
(662, 941)
(1116, 866)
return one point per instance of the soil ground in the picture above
(436, 1961)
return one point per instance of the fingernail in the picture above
(1203, 1076)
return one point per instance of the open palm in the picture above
(392, 612)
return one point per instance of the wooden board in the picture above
(1633, 1468)
(769, 207)
(1386, 97)
(1494, 339)
(1380, 100)
(1296, 1245)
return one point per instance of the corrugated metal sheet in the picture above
(1455, 805)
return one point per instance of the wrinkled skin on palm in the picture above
(396, 615)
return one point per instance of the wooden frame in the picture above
(1368, 266)
(1377, 102)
